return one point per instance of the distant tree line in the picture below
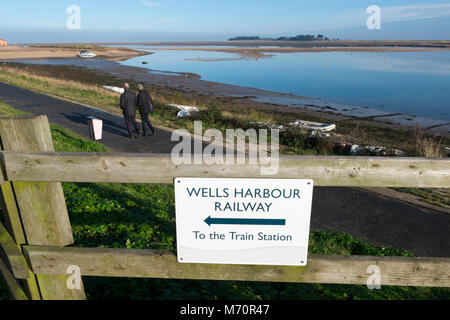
(302, 37)
(245, 38)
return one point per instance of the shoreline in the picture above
(194, 87)
(276, 101)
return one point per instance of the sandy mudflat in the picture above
(265, 52)
(300, 44)
(264, 48)
(59, 51)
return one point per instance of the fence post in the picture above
(36, 212)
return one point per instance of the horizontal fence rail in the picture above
(399, 271)
(146, 168)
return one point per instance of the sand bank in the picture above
(61, 51)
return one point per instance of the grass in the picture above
(6, 110)
(428, 147)
(64, 88)
(68, 141)
(437, 197)
(142, 216)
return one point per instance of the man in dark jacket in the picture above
(128, 105)
(145, 104)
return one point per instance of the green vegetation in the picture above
(6, 110)
(302, 37)
(143, 216)
(68, 141)
(246, 38)
(437, 197)
(61, 87)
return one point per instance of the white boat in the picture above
(86, 54)
(308, 125)
(115, 89)
(185, 111)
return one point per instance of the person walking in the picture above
(145, 104)
(128, 102)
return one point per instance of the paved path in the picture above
(369, 216)
(73, 116)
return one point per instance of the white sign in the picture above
(243, 221)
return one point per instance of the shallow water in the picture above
(416, 83)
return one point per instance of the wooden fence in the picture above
(36, 234)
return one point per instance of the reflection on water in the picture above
(413, 82)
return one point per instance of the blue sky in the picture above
(178, 20)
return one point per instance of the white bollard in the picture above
(95, 128)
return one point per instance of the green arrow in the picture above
(256, 222)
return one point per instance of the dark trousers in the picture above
(146, 123)
(130, 120)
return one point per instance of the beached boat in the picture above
(317, 126)
(86, 54)
(115, 89)
(185, 111)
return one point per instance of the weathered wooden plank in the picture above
(11, 213)
(14, 288)
(2, 179)
(325, 171)
(14, 226)
(397, 271)
(59, 288)
(13, 256)
(41, 205)
(43, 212)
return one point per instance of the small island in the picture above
(302, 37)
